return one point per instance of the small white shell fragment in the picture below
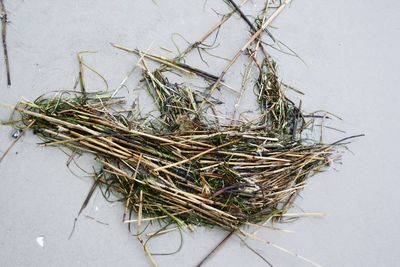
(40, 241)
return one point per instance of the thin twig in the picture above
(3, 14)
(215, 248)
(84, 205)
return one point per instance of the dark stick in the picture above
(238, 10)
(215, 249)
(3, 15)
(194, 70)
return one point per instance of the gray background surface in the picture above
(351, 49)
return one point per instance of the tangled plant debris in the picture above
(185, 167)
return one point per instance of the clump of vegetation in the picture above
(192, 174)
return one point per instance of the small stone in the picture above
(16, 134)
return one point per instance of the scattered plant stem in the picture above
(4, 21)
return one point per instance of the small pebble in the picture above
(16, 134)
